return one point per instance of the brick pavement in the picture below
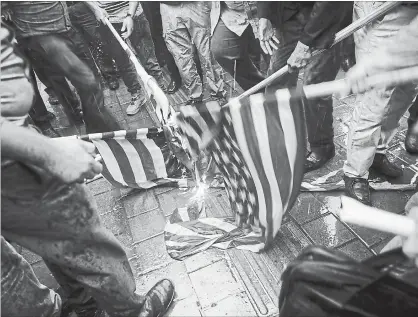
(232, 282)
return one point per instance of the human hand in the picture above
(73, 160)
(6, 14)
(127, 27)
(268, 39)
(300, 56)
(410, 246)
(101, 15)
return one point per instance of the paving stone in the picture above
(99, 186)
(187, 307)
(115, 221)
(393, 201)
(146, 225)
(356, 250)
(203, 259)
(379, 246)
(370, 236)
(108, 201)
(139, 202)
(331, 200)
(176, 272)
(399, 151)
(44, 275)
(234, 305)
(307, 208)
(126, 240)
(152, 253)
(174, 199)
(328, 231)
(214, 283)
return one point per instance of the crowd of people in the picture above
(46, 210)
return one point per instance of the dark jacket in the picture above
(324, 21)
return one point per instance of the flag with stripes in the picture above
(139, 159)
(260, 150)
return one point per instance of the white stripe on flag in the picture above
(110, 161)
(179, 230)
(260, 127)
(134, 160)
(157, 157)
(289, 131)
(240, 135)
(228, 227)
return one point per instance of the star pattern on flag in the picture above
(228, 157)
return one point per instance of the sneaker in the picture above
(137, 102)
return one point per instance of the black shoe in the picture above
(89, 309)
(411, 139)
(113, 83)
(318, 157)
(194, 101)
(347, 63)
(78, 116)
(49, 116)
(53, 100)
(173, 86)
(358, 188)
(158, 299)
(382, 165)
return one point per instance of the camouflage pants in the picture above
(60, 223)
(184, 25)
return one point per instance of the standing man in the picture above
(185, 23)
(44, 31)
(377, 113)
(234, 26)
(47, 210)
(302, 28)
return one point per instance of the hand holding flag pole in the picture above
(163, 109)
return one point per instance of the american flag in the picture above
(138, 158)
(260, 150)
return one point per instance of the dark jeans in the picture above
(321, 68)
(227, 47)
(65, 55)
(152, 12)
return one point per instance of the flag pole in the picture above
(341, 35)
(163, 106)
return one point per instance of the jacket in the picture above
(324, 21)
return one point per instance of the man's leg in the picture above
(180, 45)
(318, 111)
(143, 44)
(376, 113)
(64, 229)
(228, 48)
(22, 295)
(198, 24)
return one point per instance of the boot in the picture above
(318, 157)
(382, 165)
(158, 299)
(358, 188)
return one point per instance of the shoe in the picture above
(53, 100)
(160, 82)
(113, 82)
(358, 188)
(194, 101)
(319, 157)
(382, 165)
(348, 62)
(138, 100)
(173, 86)
(49, 116)
(158, 299)
(89, 309)
(411, 139)
(78, 116)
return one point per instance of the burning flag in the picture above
(260, 150)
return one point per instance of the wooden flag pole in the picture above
(163, 106)
(359, 214)
(344, 33)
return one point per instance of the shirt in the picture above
(118, 10)
(32, 18)
(234, 15)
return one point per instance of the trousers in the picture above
(376, 113)
(186, 24)
(323, 67)
(65, 55)
(60, 223)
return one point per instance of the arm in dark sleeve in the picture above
(265, 9)
(325, 15)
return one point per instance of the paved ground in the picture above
(234, 282)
